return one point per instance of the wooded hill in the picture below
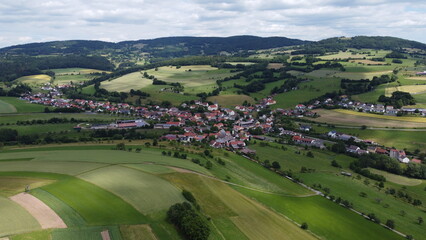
(159, 47)
(341, 43)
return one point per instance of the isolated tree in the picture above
(121, 146)
(390, 223)
(209, 165)
(276, 165)
(419, 220)
(304, 226)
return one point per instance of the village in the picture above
(225, 127)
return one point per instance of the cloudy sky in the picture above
(23, 21)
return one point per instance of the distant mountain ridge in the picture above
(170, 45)
(369, 42)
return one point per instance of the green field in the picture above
(410, 140)
(96, 205)
(13, 104)
(230, 100)
(191, 76)
(127, 82)
(147, 193)
(353, 118)
(219, 200)
(341, 186)
(325, 218)
(6, 107)
(15, 219)
(34, 79)
(75, 71)
(112, 188)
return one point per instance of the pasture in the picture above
(340, 186)
(127, 82)
(6, 107)
(412, 89)
(221, 200)
(410, 139)
(361, 75)
(13, 105)
(15, 219)
(306, 91)
(230, 100)
(76, 71)
(94, 204)
(112, 188)
(190, 76)
(34, 80)
(146, 192)
(353, 118)
(398, 179)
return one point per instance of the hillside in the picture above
(360, 42)
(164, 47)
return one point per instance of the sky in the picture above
(25, 21)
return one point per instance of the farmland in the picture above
(127, 82)
(34, 80)
(131, 191)
(13, 105)
(352, 118)
(341, 186)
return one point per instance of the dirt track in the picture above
(46, 217)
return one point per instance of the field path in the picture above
(182, 170)
(39, 210)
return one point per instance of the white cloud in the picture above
(117, 20)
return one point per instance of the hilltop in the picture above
(161, 47)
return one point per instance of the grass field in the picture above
(398, 179)
(67, 214)
(96, 205)
(137, 232)
(218, 199)
(191, 76)
(410, 140)
(147, 193)
(353, 118)
(361, 75)
(42, 128)
(326, 219)
(230, 100)
(127, 82)
(34, 79)
(306, 91)
(340, 186)
(68, 71)
(19, 106)
(12, 185)
(413, 89)
(6, 107)
(89, 233)
(15, 219)
(13, 118)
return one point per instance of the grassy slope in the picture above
(6, 107)
(12, 118)
(22, 106)
(70, 216)
(225, 202)
(352, 118)
(400, 139)
(347, 188)
(324, 218)
(12, 185)
(147, 193)
(15, 219)
(96, 205)
(137, 232)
